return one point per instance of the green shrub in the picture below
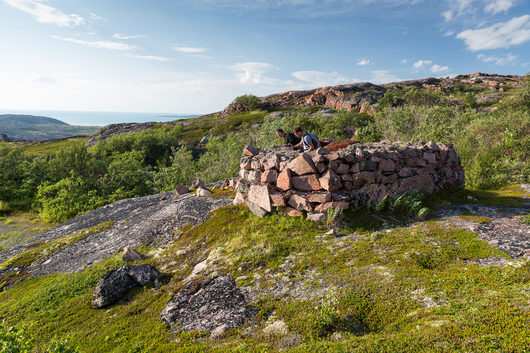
(249, 102)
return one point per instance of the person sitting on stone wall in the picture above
(289, 138)
(309, 141)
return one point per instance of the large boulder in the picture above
(207, 305)
(116, 283)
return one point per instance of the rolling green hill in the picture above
(30, 127)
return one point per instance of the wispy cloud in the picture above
(508, 59)
(45, 13)
(438, 68)
(150, 57)
(98, 44)
(383, 76)
(125, 36)
(95, 17)
(500, 35)
(422, 64)
(404, 61)
(363, 62)
(428, 65)
(253, 72)
(496, 6)
(457, 8)
(319, 78)
(190, 50)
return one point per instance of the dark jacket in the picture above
(291, 139)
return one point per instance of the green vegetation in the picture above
(64, 179)
(412, 288)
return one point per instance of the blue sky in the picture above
(180, 56)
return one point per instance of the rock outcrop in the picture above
(315, 181)
(202, 306)
(116, 283)
(149, 220)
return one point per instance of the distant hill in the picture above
(30, 127)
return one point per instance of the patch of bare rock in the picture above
(149, 220)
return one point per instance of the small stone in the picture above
(321, 167)
(302, 165)
(319, 197)
(197, 183)
(251, 151)
(256, 210)
(330, 181)
(300, 203)
(218, 332)
(202, 192)
(368, 166)
(269, 176)
(284, 180)
(181, 190)
(386, 166)
(271, 162)
(343, 168)
(316, 217)
(129, 255)
(415, 163)
(259, 195)
(306, 183)
(322, 151)
(293, 212)
(429, 157)
(404, 173)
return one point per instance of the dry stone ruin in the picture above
(312, 182)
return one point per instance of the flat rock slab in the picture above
(506, 231)
(207, 305)
(147, 220)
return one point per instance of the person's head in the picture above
(298, 131)
(280, 133)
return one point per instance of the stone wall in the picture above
(313, 182)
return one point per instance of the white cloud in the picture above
(150, 57)
(422, 64)
(438, 68)
(448, 33)
(98, 44)
(507, 59)
(125, 36)
(253, 72)
(500, 35)
(363, 62)
(46, 14)
(404, 61)
(95, 17)
(383, 76)
(319, 78)
(190, 50)
(457, 8)
(496, 6)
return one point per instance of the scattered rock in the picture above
(251, 151)
(197, 183)
(202, 192)
(181, 190)
(116, 283)
(201, 306)
(316, 217)
(258, 211)
(130, 255)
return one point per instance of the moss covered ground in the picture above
(385, 286)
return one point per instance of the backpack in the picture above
(314, 140)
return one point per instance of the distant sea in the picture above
(101, 118)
